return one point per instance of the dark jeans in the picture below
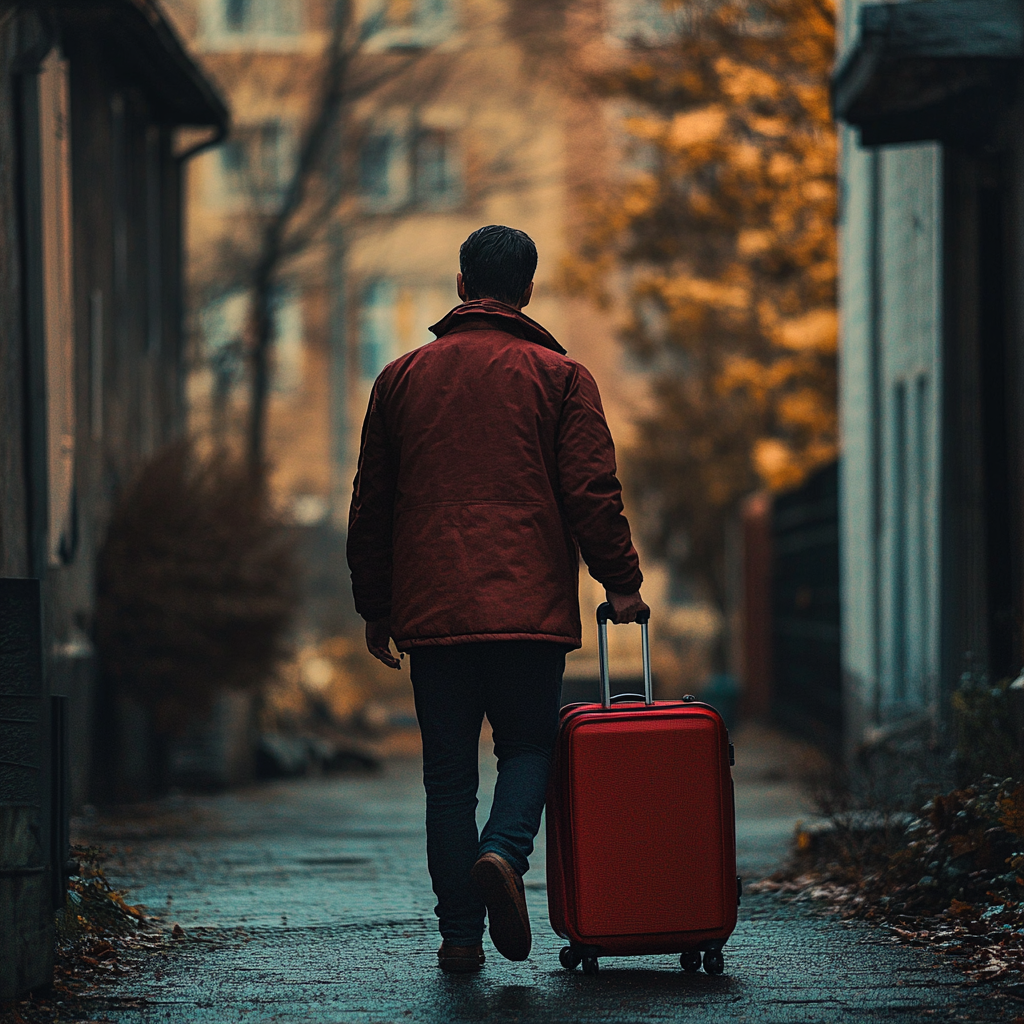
(517, 684)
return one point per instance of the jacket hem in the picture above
(408, 644)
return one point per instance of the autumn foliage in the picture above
(950, 879)
(726, 235)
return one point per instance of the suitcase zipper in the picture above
(578, 709)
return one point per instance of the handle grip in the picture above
(604, 613)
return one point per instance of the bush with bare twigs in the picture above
(197, 585)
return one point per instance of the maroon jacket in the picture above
(486, 468)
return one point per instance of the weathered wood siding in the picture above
(129, 387)
(124, 374)
(14, 558)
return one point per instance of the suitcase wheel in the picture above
(714, 962)
(590, 965)
(690, 960)
(569, 958)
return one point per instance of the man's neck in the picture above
(491, 298)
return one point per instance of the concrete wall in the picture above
(911, 372)
(890, 388)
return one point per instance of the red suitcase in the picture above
(641, 827)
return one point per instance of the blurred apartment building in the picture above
(475, 117)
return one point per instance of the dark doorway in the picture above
(996, 419)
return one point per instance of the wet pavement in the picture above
(309, 901)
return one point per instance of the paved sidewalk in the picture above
(309, 901)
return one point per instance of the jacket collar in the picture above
(490, 313)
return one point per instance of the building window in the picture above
(415, 13)
(376, 328)
(395, 318)
(436, 168)
(224, 324)
(396, 167)
(256, 163)
(375, 166)
(287, 343)
(237, 15)
(643, 22)
(249, 18)
(394, 24)
(384, 169)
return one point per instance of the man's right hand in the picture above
(378, 642)
(626, 607)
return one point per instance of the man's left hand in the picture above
(378, 642)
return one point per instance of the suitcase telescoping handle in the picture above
(604, 613)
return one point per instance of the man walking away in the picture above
(486, 469)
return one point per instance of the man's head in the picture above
(497, 263)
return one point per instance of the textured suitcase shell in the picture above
(641, 834)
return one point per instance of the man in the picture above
(486, 468)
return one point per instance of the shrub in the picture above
(197, 585)
(987, 725)
(965, 848)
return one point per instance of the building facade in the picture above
(931, 370)
(92, 96)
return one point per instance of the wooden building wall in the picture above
(14, 558)
(91, 373)
(129, 370)
(125, 374)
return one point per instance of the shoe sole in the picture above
(455, 965)
(508, 920)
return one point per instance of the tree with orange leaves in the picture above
(727, 239)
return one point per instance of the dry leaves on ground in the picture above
(950, 880)
(100, 938)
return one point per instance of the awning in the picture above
(931, 70)
(140, 41)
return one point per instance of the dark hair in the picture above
(497, 263)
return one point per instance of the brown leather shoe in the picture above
(502, 890)
(460, 959)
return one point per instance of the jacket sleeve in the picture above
(591, 493)
(371, 517)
